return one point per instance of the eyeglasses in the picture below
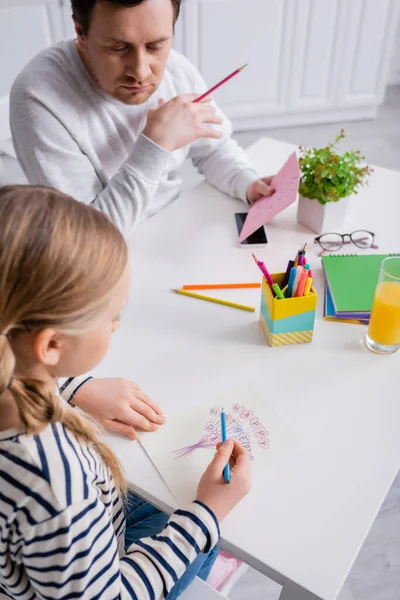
(331, 242)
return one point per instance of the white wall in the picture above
(395, 65)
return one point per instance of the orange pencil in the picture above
(221, 286)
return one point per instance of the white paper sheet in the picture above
(183, 447)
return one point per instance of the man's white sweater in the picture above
(70, 135)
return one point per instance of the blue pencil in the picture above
(227, 473)
(286, 278)
(292, 277)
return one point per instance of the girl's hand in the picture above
(119, 405)
(219, 496)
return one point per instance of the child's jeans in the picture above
(144, 520)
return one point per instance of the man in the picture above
(109, 119)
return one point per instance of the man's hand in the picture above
(174, 124)
(119, 405)
(259, 189)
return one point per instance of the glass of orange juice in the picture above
(383, 334)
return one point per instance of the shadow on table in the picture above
(357, 344)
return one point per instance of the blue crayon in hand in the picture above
(227, 473)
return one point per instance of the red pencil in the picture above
(219, 84)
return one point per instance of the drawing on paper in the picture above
(242, 425)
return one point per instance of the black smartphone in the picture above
(258, 238)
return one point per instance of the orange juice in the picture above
(384, 326)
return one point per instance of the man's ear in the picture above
(79, 31)
(47, 347)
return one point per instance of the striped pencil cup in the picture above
(289, 321)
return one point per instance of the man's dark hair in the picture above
(82, 9)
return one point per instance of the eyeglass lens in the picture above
(362, 239)
(331, 242)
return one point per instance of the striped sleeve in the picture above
(68, 386)
(75, 555)
(153, 565)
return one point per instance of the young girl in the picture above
(64, 279)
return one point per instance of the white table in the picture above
(303, 524)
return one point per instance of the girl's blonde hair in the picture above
(59, 262)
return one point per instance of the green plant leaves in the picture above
(327, 176)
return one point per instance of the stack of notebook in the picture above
(350, 286)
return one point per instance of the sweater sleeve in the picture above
(50, 155)
(75, 554)
(223, 162)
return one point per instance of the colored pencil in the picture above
(219, 84)
(221, 286)
(308, 286)
(302, 283)
(289, 268)
(278, 292)
(215, 300)
(227, 472)
(299, 271)
(263, 270)
(290, 285)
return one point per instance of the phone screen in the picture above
(258, 237)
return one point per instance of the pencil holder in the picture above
(289, 321)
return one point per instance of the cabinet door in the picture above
(26, 27)
(178, 37)
(221, 35)
(316, 54)
(394, 76)
(369, 42)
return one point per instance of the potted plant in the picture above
(327, 181)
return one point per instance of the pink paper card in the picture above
(286, 185)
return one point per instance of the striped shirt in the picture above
(62, 527)
(68, 386)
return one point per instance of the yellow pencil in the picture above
(215, 300)
(308, 286)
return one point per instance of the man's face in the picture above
(126, 48)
